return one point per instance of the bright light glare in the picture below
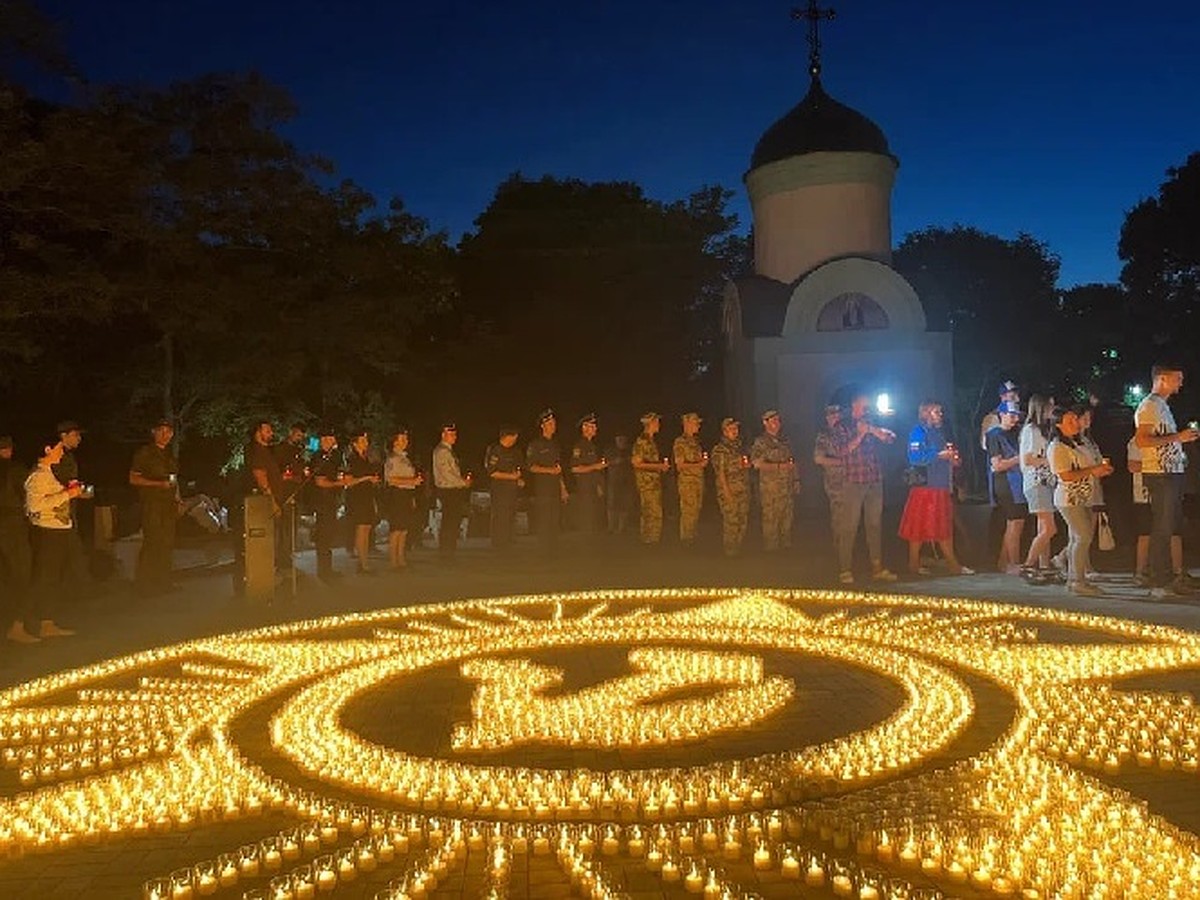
(883, 404)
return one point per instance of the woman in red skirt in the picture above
(929, 512)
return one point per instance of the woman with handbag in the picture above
(400, 482)
(929, 511)
(1076, 475)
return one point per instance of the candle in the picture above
(842, 885)
(326, 881)
(815, 876)
(762, 858)
(654, 860)
(206, 885)
(694, 882)
(670, 871)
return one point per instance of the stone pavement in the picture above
(838, 700)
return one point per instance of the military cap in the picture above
(690, 415)
(545, 416)
(729, 420)
(449, 425)
(649, 417)
(770, 414)
(589, 419)
(507, 429)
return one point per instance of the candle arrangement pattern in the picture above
(146, 744)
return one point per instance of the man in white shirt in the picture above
(1163, 464)
(48, 506)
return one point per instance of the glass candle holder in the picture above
(157, 889)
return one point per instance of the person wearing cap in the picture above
(587, 467)
(928, 515)
(778, 481)
(690, 463)
(154, 472)
(1008, 493)
(16, 561)
(857, 444)
(1008, 393)
(731, 473)
(452, 491)
(832, 466)
(648, 468)
(48, 507)
(400, 482)
(328, 483)
(543, 461)
(502, 462)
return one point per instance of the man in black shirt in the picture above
(544, 463)
(328, 480)
(587, 465)
(502, 462)
(16, 560)
(154, 472)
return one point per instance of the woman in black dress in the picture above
(401, 480)
(362, 476)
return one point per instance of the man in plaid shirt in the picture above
(857, 443)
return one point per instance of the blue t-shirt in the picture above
(924, 445)
(1006, 445)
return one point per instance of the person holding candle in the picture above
(587, 467)
(648, 469)
(328, 483)
(362, 510)
(1142, 522)
(401, 480)
(48, 507)
(543, 459)
(502, 463)
(1164, 462)
(857, 443)
(778, 481)
(452, 488)
(1075, 473)
(929, 511)
(154, 472)
(731, 472)
(690, 463)
(1004, 461)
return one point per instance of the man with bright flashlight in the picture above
(857, 443)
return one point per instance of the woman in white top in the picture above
(1072, 495)
(1038, 484)
(400, 479)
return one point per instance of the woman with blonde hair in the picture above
(1037, 482)
(929, 511)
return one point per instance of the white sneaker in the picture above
(846, 577)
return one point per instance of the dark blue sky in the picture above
(1052, 118)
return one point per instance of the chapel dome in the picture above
(819, 123)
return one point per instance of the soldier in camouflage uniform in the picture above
(648, 469)
(731, 470)
(690, 462)
(771, 456)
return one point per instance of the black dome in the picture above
(819, 123)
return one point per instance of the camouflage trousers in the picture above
(650, 524)
(735, 513)
(691, 498)
(777, 517)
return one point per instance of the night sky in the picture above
(1052, 118)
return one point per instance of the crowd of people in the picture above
(1044, 466)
